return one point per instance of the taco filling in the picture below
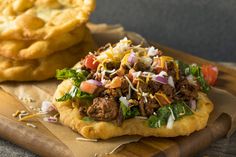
(124, 81)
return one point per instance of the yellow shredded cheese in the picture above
(30, 116)
(177, 70)
(148, 77)
(124, 61)
(164, 96)
(165, 59)
(157, 100)
(16, 113)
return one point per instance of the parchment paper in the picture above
(39, 91)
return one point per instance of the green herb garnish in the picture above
(129, 112)
(179, 109)
(75, 92)
(87, 119)
(196, 71)
(77, 76)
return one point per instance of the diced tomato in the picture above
(88, 87)
(157, 65)
(115, 83)
(91, 62)
(210, 73)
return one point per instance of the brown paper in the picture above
(40, 91)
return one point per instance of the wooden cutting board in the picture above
(151, 146)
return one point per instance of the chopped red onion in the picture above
(132, 58)
(124, 101)
(170, 122)
(146, 60)
(193, 104)
(160, 79)
(95, 82)
(152, 51)
(191, 80)
(47, 107)
(162, 73)
(50, 119)
(136, 74)
(171, 81)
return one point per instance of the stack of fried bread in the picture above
(39, 36)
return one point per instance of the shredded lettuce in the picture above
(179, 109)
(87, 119)
(75, 92)
(76, 75)
(196, 71)
(129, 112)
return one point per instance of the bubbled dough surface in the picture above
(42, 19)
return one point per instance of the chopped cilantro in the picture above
(75, 92)
(76, 75)
(196, 71)
(87, 119)
(179, 109)
(129, 112)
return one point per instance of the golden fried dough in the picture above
(33, 49)
(71, 117)
(44, 68)
(42, 19)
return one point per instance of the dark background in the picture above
(206, 28)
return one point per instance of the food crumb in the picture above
(86, 139)
(31, 125)
(16, 113)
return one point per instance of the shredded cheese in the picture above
(131, 85)
(164, 96)
(86, 139)
(16, 113)
(157, 100)
(29, 116)
(148, 77)
(21, 115)
(176, 70)
(31, 125)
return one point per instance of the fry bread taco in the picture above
(125, 89)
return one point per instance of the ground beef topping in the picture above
(123, 81)
(103, 109)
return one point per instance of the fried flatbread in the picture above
(70, 116)
(42, 19)
(44, 68)
(34, 49)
